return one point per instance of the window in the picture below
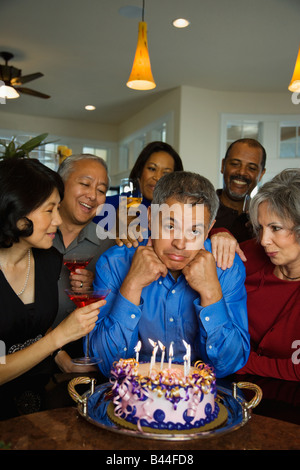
(289, 140)
(47, 155)
(130, 148)
(279, 134)
(123, 158)
(99, 152)
(242, 129)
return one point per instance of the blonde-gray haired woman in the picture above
(273, 279)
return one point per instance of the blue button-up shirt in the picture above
(171, 311)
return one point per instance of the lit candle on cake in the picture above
(153, 357)
(185, 365)
(162, 347)
(187, 358)
(170, 355)
(137, 350)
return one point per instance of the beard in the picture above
(238, 196)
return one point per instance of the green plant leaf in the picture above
(33, 143)
(11, 148)
(20, 153)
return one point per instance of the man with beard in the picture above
(242, 168)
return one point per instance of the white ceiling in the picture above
(85, 49)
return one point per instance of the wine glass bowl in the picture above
(130, 189)
(75, 261)
(81, 299)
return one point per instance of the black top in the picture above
(237, 224)
(21, 324)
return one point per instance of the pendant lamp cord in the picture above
(143, 10)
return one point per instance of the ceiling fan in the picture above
(12, 77)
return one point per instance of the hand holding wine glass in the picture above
(130, 200)
(82, 299)
(130, 189)
(75, 261)
(79, 261)
(78, 324)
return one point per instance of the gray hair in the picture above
(282, 193)
(67, 166)
(187, 187)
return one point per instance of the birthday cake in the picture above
(169, 399)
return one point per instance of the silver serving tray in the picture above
(93, 407)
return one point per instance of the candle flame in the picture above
(153, 343)
(171, 350)
(162, 347)
(138, 347)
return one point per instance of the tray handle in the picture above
(255, 388)
(75, 396)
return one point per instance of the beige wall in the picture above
(200, 120)
(197, 120)
(58, 127)
(196, 115)
(168, 104)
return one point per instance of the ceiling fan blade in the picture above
(18, 81)
(28, 91)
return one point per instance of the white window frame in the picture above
(295, 124)
(269, 138)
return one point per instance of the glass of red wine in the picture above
(81, 299)
(75, 261)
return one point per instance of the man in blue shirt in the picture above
(169, 289)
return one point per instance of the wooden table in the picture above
(65, 429)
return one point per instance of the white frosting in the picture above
(165, 396)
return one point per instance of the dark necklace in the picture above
(290, 278)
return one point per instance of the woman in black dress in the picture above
(30, 194)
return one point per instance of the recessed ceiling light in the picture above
(90, 107)
(180, 23)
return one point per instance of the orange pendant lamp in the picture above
(295, 82)
(141, 77)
